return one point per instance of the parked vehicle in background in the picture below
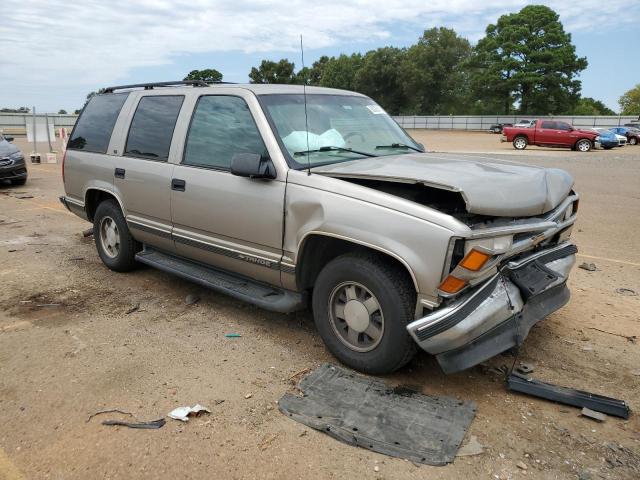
(525, 123)
(635, 125)
(287, 200)
(609, 139)
(497, 127)
(12, 164)
(551, 133)
(632, 134)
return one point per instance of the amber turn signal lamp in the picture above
(474, 260)
(452, 284)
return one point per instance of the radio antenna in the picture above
(304, 94)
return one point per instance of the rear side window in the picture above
(95, 125)
(549, 125)
(221, 127)
(152, 127)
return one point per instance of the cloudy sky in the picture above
(55, 52)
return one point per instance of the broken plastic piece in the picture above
(363, 411)
(568, 396)
(183, 413)
(597, 416)
(153, 424)
(232, 335)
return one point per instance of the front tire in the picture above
(362, 304)
(633, 141)
(520, 143)
(116, 247)
(583, 145)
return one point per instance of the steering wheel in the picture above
(354, 134)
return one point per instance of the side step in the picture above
(261, 295)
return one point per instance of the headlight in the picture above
(496, 244)
(16, 156)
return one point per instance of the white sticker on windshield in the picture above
(375, 109)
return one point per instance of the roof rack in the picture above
(151, 86)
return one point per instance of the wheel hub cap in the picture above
(109, 237)
(356, 316)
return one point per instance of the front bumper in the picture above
(12, 169)
(498, 314)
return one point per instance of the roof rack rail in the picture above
(151, 86)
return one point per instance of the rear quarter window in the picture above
(95, 125)
(152, 127)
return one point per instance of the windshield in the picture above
(340, 128)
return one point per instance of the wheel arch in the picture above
(591, 141)
(316, 249)
(94, 196)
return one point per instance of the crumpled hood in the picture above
(7, 149)
(488, 186)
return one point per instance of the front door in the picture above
(230, 222)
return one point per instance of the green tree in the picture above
(207, 75)
(274, 72)
(340, 72)
(433, 72)
(528, 58)
(591, 106)
(62, 111)
(15, 110)
(378, 77)
(630, 102)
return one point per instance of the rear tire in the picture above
(19, 181)
(520, 142)
(116, 247)
(583, 145)
(362, 304)
(633, 141)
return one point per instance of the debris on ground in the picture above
(232, 335)
(525, 368)
(134, 308)
(597, 416)
(153, 424)
(590, 267)
(630, 338)
(568, 396)
(87, 233)
(363, 411)
(627, 292)
(22, 197)
(248, 396)
(267, 441)
(192, 299)
(183, 413)
(471, 448)
(521, 465)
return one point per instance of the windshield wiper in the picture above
(334, 149)
(399, 145)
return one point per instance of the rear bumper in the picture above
(498, 314)
(74, 207)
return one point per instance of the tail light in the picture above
(64, 156)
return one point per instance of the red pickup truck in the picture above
(551, 133)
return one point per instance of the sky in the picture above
(55, 52)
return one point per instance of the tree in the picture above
(433, 72)
(62, 111)
(630, 102)
(591, 106)
(341, 72)
(207, 75)
(379, 78)
(15, 110)
(527, 57)
(273, 72)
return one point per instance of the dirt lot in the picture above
(68, 349)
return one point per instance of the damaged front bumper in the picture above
(498, 314)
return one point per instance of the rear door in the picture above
(230, 222)
(142, 175)
(546, 133)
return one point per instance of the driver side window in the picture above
(221, 127)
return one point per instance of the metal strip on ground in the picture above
(365, 412)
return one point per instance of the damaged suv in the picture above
(287, 198)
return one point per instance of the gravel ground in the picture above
(68, 348)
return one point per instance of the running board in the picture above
(250, 291)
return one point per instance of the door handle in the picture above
(178, 184)
(119, 172)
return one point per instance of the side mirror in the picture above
(252, 165)
(9, 139)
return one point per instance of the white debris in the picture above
(183, 413)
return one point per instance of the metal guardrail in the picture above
(16, 123)
(484, 122)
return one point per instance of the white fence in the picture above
(484, 122)
(16, 123)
